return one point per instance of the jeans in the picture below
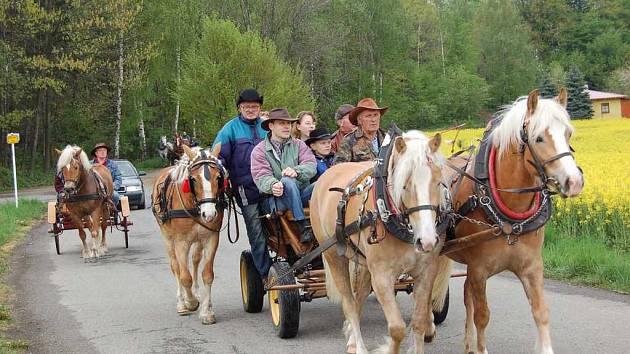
(115, 198)
(292, 198)
(257, 240)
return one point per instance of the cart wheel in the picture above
(57, 244)
(284, 304)
(252, 289)
(126, 232)
(439, 315)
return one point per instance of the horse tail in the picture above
(440, 285)
(332, 292)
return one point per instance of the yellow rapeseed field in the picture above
(603, 151)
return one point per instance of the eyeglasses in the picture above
(250, 107)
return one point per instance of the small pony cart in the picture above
(60, 221)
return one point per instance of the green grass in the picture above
(26, 178)
(585, 260)
(14, 224)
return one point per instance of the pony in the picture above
(187, 202)
(164, 147)
(415, 190)
(88, 191)
(529, 147)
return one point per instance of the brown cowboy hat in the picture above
(277, 114)
(365, 104)
(98, 146)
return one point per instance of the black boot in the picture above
(306, 231)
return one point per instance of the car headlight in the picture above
(134, 188)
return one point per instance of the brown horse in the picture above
(187, 201)
(529, 147)
(415, 190)
(85, 197)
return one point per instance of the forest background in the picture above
(128, 71)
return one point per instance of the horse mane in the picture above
(68, 154)
(409, 163)
(180, 172)
(548, 113)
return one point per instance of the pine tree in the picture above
(547, 87)
(579, 105)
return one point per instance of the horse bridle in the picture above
(206, 162)
(75, 181)
(540, 165)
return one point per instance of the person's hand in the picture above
(289, 172)
(277, 189)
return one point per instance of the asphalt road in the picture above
(125, 303)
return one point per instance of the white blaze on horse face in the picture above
(569, 177)
(424, 230)
(208, 210)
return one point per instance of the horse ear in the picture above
(78, 152)
(59, 152)
(400, 145)
(434, 143)
(216, 150)
(191, 154)
(532, 101)
(562, 97)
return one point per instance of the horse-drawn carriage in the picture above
(60, 221)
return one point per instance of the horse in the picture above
(164, 147)
(415, 168)
(88, 194)
(187, 203)
(528, 146)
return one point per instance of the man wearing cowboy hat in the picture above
(233, 146)
(320, 141)
(99, 152)
(283, 167)
(345, 126)
(364, 143)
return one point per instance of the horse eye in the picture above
(539, 139)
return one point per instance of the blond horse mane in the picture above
(180, 172)
(547, 114)
(68, 154)
(411, 162)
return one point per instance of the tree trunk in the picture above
(246, 18)
(141, 133)
(47, 142)
(38, 119)
(178, 78)
(119, 97)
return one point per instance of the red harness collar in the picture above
(497, 199)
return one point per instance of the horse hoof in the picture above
(192, 307)
(208, 320)
(351, 349)
(183, 311)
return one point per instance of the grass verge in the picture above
(14, 224)
(585, 260)
(150, 164)
(26, 178)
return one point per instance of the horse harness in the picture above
(101, 191)
(166, 211)
(508, 226)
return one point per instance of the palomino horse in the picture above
(415, 190)
(187, 203)
(88, 193)
(529, 146)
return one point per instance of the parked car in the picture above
(132, 185)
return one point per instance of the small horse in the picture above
(531, 146)
(85, 197)
(187, 205)
(414, 167)
(164, 147)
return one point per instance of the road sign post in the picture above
(12, 139)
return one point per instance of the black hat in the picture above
(318, 134)
(343, 110)
(249, 95)
(277, 114)
(98, 146)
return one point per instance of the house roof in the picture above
(599, 95)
